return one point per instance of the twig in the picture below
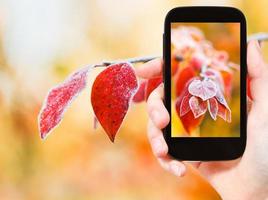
(130, 60)
(257, 36)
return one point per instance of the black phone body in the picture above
(217, 139)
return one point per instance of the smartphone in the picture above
(204, 51)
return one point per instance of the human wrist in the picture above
(241, 184)
(254, 190)
(251, 184)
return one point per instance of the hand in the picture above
(244, 178)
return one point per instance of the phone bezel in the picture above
(205, 148)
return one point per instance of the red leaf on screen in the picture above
(58, 99)
(227, 80)
(185, 107)
(111, 93)
(223, 109)
(198, 106)
(213, 108)
(189, 121)
(204, 89)
(182, 105)
(184, 76)
(224, 113)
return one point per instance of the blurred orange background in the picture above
(41, 42)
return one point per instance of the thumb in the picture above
(257, 71)
(255, 60)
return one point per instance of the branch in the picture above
(257, 36)
(130, 60)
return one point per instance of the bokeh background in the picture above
(41, 42)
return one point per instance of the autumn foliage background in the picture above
(41, 42)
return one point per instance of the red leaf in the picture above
(185, 107)
(189, 122)
(224, 113)
(151, 85)
(220, 98)
(111, 93)
(198, 106)
(214, 75)
(223, 109)
(140, 94)
(58, 100)
(184, 76)
(213, 108)
(227, 80)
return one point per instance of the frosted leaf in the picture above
(197, 106)
(213, 108)
(204, 89)
(58, 99)
(181, 39)
(219, 96)
(224, 111)
(185, 107)
(111, 93)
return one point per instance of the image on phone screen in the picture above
(205, 79)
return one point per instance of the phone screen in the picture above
(205, 83)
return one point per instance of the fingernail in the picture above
(161, 84)
(157, 146)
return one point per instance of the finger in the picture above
(255, 62)
(157, 141)
(150, 69)
(258, 72)
(173, 166)
(156, 109)
(159, 146)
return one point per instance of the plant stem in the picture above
(130, 60)
(257, 36)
